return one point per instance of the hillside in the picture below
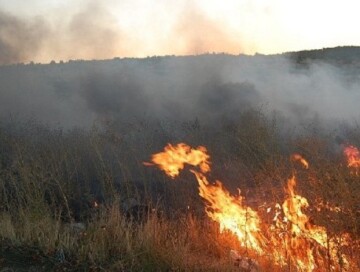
(207, 87)
(199, 163)
(337, 55)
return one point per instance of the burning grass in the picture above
(294, 212)
(293, 241)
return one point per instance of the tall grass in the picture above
(50, 179)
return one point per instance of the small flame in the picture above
(353, 158)
(298, 157)
(174, 158)
(326, 206)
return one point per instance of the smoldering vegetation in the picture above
(75, 134)
(120, 111)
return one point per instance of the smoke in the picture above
(110, 95)
(196, 33)
(20, 40)
(101, 30)
(90, 33)
(210, 88)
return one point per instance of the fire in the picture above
(291, 239)
(326, 206)
(231, 213)
(353, 157)
(298, 157)
(221, 206)
(292, 208)
(303, 236)
(174, 158)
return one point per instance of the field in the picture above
(83, 200)
(179, 136)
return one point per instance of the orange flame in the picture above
(291, 239)
(353, 158)
(231, 214)
(298, 157)
(174, 158)
(303, 235)
(326, 206)
(221, 206)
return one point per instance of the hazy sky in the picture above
(62, 29)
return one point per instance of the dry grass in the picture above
(50, 178)
(113, 243)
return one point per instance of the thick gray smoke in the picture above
(210, 88)
(89, 33)
(92, 30)
(20, 40)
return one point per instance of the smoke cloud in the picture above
(94, 30)
(196, 34)
(210, 88)
(91, 33)
(20, 40)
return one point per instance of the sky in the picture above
(42, 31)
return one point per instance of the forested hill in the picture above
(210, 87)
(341, 55)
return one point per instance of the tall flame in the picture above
(303, 235)
(221, 206)
(231, 213)
(291, 240)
